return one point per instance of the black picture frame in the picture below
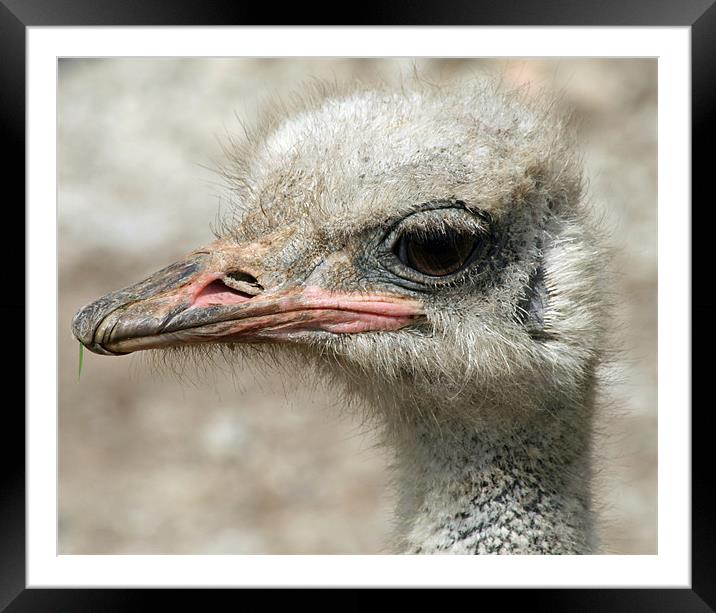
(17, 15)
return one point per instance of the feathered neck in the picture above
(522, 489)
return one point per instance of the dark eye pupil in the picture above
(438, 255)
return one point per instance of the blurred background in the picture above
(221, 462)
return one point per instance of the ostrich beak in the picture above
(214, 296)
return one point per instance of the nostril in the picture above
(243, 281)
(233, 288)
(217, 292)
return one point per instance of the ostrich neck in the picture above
(476, 490)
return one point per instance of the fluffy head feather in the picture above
(510, 338)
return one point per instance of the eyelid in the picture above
(437, 220)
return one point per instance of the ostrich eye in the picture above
(434, 245)
(436, 254)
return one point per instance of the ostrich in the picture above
(428, 250)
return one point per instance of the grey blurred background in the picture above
(254, 462)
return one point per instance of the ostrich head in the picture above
(425, 246)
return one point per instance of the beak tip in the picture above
(81, 326)
(83, 329)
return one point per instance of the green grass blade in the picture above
(82, 355)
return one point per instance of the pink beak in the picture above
(214, 296)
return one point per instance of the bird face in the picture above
(273, 289)
(415, 237)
